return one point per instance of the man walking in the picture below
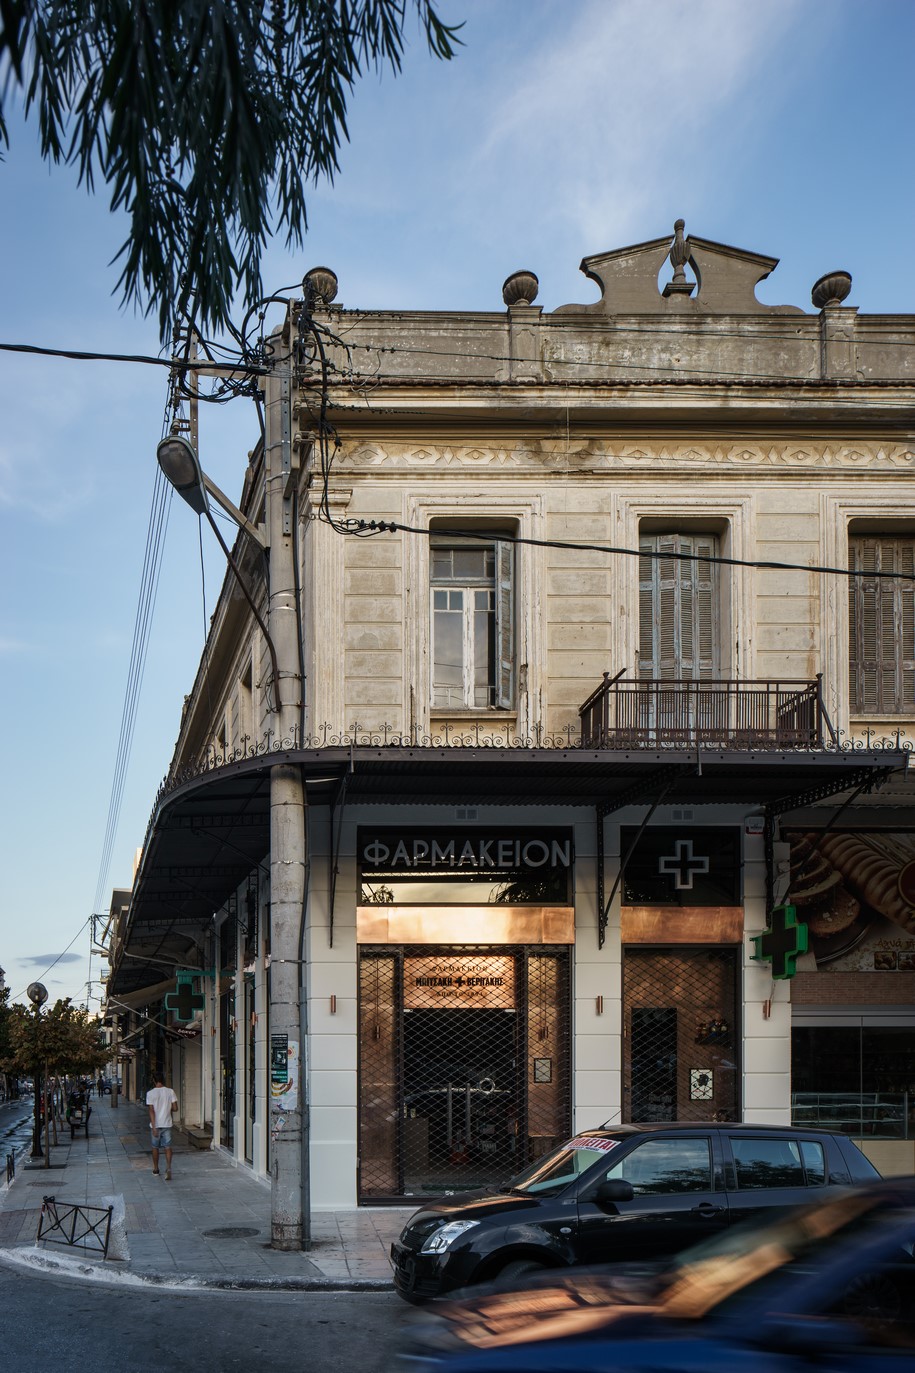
(162, 1104)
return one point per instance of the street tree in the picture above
(63, 1040)
(205, 120)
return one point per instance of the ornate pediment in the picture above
(723, 280)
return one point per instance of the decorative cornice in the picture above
(597, 453)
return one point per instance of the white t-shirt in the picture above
(161, 1098)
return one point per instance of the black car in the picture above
(628, 1193)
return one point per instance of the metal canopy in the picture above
(208, 832)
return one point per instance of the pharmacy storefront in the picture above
(464, 1005)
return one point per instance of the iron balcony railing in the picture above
(669, 713)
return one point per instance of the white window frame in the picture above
(496, 511)
(501, 587)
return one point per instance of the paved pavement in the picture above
(208, 1227)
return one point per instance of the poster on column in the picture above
(284, 1074)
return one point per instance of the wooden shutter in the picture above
(678, 607)
(505, 626)
(881, 628)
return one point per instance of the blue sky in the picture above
(563, 129)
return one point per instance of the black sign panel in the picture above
(459, 865)
(672, 866)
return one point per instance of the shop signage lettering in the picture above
(487, 984)
(475, 852)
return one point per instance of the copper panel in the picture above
(465, 924)
(681, 924)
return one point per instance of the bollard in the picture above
(10, 1167)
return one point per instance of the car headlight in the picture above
(444, 1238)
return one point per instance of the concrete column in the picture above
(290, 1227)
(289, 1113)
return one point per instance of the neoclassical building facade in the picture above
(594, 646)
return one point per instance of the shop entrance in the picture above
(464, 1073)
(680, 1034)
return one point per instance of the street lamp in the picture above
(290, 1204)
(37, 993)
(181, 466)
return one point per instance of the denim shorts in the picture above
(161, 1137)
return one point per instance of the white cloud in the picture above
(10, 648)
(617, 107)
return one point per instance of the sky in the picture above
(563, 129)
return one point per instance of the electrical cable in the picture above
(40, 975)
(493, 536)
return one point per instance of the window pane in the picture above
(667, 1165)
(448, 667)
(441, 564)
(440, 600)
(483, 634)
(767, 1163)
(470, 563)
(814, 1162)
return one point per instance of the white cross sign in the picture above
(683, 864)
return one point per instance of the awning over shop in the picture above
(210, 831)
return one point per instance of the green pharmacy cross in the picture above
(185, 1001)
(782, 942)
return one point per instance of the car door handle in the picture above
(706, 1208)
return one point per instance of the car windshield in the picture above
(709, 1277)
(554, 1171)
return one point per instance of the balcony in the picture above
(746, 715)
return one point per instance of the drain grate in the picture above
(231, 1232)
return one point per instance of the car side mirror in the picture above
(612, 1190)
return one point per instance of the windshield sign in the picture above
(592, 1142)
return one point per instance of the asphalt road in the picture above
(15, 1127)
(67, 1324)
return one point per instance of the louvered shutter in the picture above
(646, 608)
(882, 626)
(505, 626)
(678, 607)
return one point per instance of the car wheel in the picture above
(873, 1297)
(520, 1268)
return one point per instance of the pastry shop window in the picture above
(855, 892)
(855, 1077)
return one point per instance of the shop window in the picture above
(881, 629)
(854, 1078)
(679, 611)
(472, 624)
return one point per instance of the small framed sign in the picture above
(701, 1084)
(543, 1070)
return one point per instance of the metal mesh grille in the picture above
(464, 1066)
(679, 1042)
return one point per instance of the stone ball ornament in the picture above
(323, 282)
(37, 993)
(520, 288)
(831, 289)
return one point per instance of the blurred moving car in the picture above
(827, 1288)
(633, 1192)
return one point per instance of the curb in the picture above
(37, 1261)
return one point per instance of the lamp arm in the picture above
(233, 511)
(254, 610)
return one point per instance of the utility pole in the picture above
(290, 1220)
(115, 1022)
(178, 458)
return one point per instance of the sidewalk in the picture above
(208, 1227)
